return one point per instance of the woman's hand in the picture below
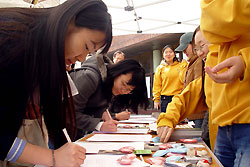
(109, 126)
(105, 116)
(157, 105)
(70, 154)
(164, 132)
(235, 70)
(124, 115)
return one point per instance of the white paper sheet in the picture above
(140, 116)
(94, 147)
(100, 160)
(195, 145)
(139, 131)
(138, 121)
(120, 137)
(153, 127)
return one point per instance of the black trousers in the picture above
(164, 102)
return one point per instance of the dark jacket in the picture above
(90, 103)
(13, 96)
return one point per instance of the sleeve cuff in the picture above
(16, 150)
(98, 126)
(74, 90)
(163, 121)
(156, 100)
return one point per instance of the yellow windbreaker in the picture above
(168, 79)
(227, 23)
(191, 100)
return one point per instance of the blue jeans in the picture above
(232, 145)
(164, 102)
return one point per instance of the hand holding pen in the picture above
(109, 125)
(70, 154)
(106, 115)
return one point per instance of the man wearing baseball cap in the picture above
(186, 45)
(193, 71)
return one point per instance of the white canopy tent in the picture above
(153, 16)
(139, 16)
(13, 3)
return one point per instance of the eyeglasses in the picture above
(199, 48)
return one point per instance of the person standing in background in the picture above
(193, 71)
(118, 56)
(167, 79)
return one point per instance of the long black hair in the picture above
(35, 38)
(138, 97)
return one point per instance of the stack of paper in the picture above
(140, 119)
(94, 147)
(136, 136)
(185, 134)
(111, 137)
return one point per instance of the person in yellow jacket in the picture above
(194, 70)
(200, 44)
(230, 100)
(192, 99)
(167, 78)
(226, 23)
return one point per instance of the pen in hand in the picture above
(66, 135)
(109, 114)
